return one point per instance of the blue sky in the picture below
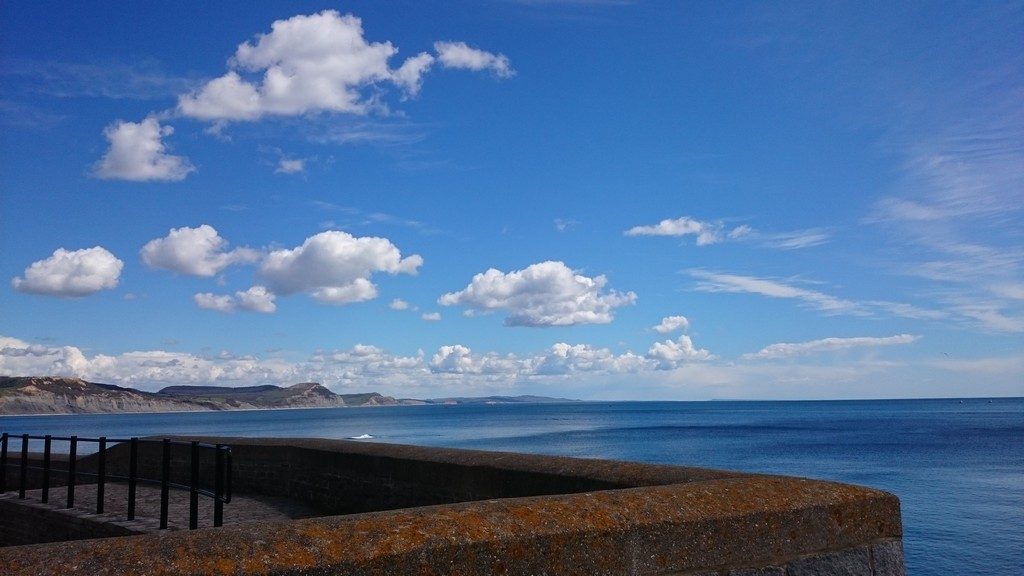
(600, 200)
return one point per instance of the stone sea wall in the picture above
(411, 510)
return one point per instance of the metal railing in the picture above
(221, 492)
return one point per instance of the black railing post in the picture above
(3, 463)
(193, 489)
(23, 473)
(133, 469)
(218, 486)
(165, 479)
(101, 475)
(222, 471)
(72, 456)
(46, 469)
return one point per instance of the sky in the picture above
(601, 200)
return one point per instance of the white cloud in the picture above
(309, 63)
(398, 304)
(319, 63)
(788, 350)
(715, 282)
(359, 290)
(459, 359)
(672, 353)
(137, 153)
(255, 299)
(431, 316)
(71, 273)
(461, 56)
(290, 166)
(562, 359)
(671, 324)
(578, 370)
(789, 240)
(565, 224)
(334, 267)
(738, 284)
(543, 294)
(194, 251)
(208, 301)
(410, 74)
(706, 232)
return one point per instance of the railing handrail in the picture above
(221, 493)
(145, 440)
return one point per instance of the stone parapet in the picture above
(442, 511)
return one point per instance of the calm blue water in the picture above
(957, 466)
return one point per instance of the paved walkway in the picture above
(241, 509)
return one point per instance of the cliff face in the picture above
(55, 395)
(49, 395)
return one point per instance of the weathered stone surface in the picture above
(853, 562)
(887, 557)
(766, 571)
(516, 515)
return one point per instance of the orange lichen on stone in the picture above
(674, 526)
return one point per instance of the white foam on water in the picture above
(360, 437)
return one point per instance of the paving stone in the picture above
(853, 562)
(241, 509)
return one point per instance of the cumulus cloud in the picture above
(459, 359)
(137, 153)
(194, 251)
(398, 304)
(71, 273)
(457, 370)
(563, 358)
(255, 299)
(431, 316)
(334, 267)
(149, 369)
(208, 301)
(543, 294)
(461, 56)
(788, 350)
(671, 324)
(410, 74)
(319, 63)
(672, 353)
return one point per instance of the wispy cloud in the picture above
(708, 281)
(20, 114)
(357, 217)
(788, 350)
(737, 284)
(707, 232)
(142, 80)
(376, 133)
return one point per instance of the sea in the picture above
(956, 465)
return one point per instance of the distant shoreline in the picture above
(436, 403)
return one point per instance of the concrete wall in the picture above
(467, 512)
(32, 522)
(340, 477)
